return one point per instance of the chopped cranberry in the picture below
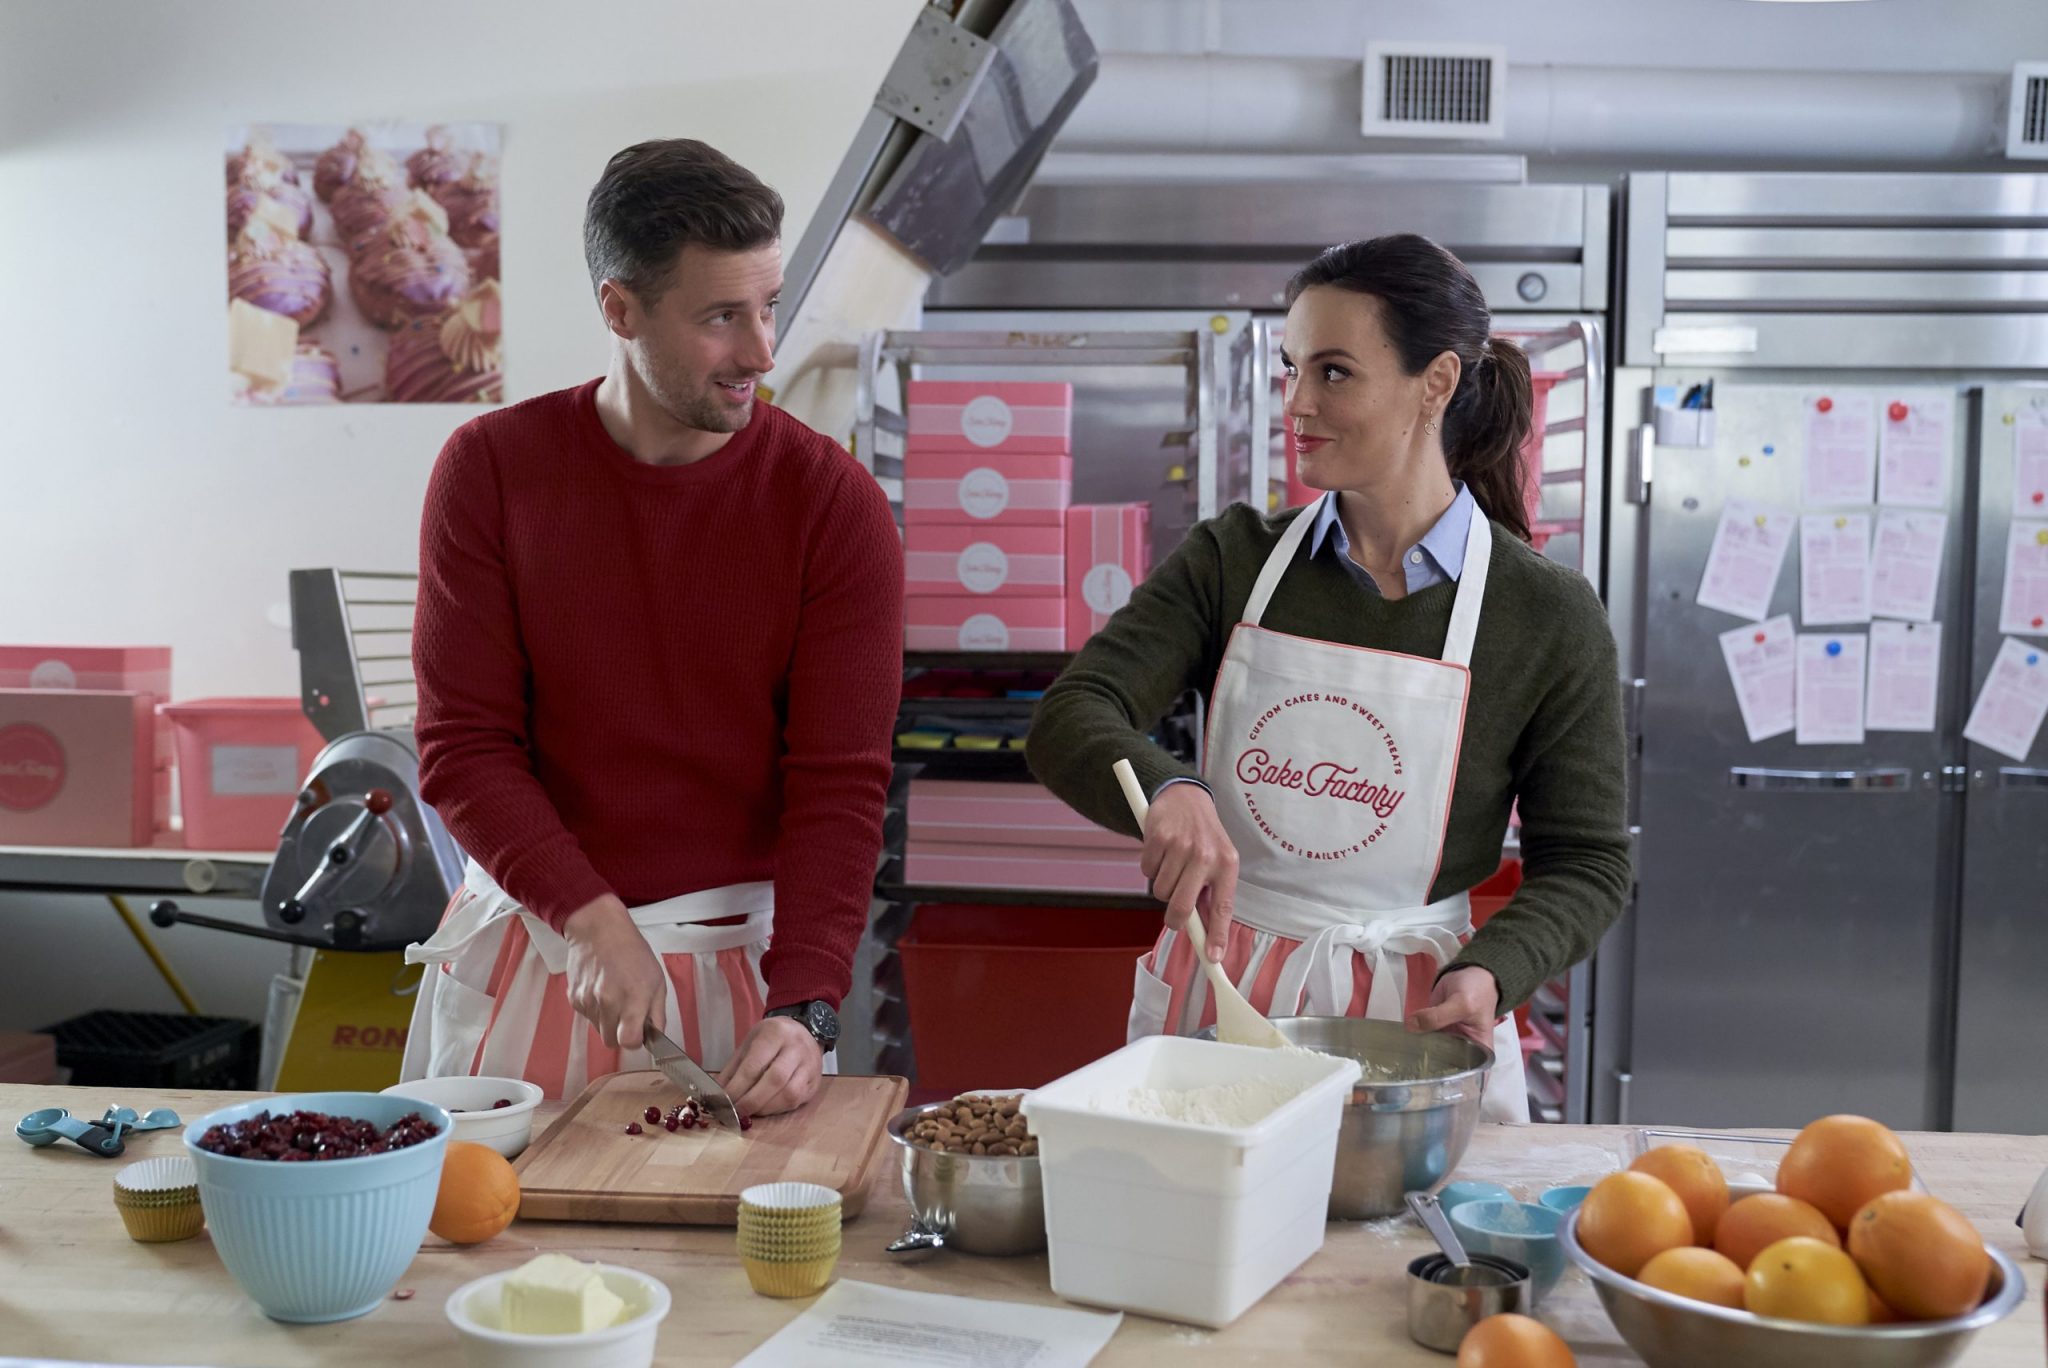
(652, 1116)
(402, 1294)
(671, 1124)
(633, 1128)
(689, 1123)
(303, 1136)
(501, 1102)
(745, 1124)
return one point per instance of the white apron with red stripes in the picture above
(1333, 768)
(458, 1028)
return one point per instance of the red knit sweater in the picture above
(649, 680)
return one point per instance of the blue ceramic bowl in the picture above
(1455, 1195)
(1522, 1231)
(326, 1240)
(1563, 1199)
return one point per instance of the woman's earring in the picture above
(1430, 427)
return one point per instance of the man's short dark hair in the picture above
(656, 198)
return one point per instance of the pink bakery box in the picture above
(986, 489)
(990, 415)
(240, 764)
(1109, 550)
(1004, 561)
(1050, 868)
(985, 812)
(77, 767)
(978, 622)
(113, 669)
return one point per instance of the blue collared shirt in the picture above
(1437, 559)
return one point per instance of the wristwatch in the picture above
(815, 1016)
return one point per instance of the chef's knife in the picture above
(685, 1073)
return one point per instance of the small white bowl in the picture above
(508, 1130)
(473, 1311)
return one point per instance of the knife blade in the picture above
(688, 1075)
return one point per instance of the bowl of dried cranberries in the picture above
(497, 1112)
(317, 1202)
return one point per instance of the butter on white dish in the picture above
(557, 1295)
(1225, 1105)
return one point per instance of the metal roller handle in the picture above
(2019, 777)
(1821, 781)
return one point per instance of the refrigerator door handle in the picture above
(2020, 777)
(1642, 468)
(1897, 779)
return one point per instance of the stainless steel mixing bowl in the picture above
(984, 1204)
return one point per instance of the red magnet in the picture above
(2037, 622)
(1824, 404)
(1760, 638)
(1897, 412)
(2039, 496)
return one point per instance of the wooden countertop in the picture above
(75, 1286)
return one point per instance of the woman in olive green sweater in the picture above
(1388, 671)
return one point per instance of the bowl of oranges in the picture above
(1841, 1261)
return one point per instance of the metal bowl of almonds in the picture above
(970, 1170)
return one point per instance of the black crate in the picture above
(158, 1050)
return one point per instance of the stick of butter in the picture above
(557, 1295)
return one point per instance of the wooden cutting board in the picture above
(586, 1168)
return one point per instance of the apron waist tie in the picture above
(1316, 976)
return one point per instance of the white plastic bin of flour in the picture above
(1192, 1223)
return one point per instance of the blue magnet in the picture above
(2033, 657)
(1834, 648)
(1770, 451)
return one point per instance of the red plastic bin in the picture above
(240, 764)
(1014, 997)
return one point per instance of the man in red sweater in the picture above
(659, 651)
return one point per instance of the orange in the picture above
(1765, 1219)
(1692, 1173)
(1840, 1162)
(1920, 1255)
(1881, 1314)
(479, 1194)
(1630, 1218)
(1805, 1279)
(1512, 1341)
(1699, 1274)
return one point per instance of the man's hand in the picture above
(1464, 1002)
(1190, 861)
(615, 981)
(775, 1069)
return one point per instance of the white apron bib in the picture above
(1333, 768)
(458, 1028)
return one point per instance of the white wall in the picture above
(136, 506)
(1876, 35)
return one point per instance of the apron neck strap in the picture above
(1464, 609)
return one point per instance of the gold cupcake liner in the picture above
(788, 1251)
(789, 1279)
(162, 1224)
(162, 1197)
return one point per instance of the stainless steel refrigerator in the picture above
(1837, 926)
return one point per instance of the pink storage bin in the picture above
(989, 812)
(987, 489)
(1070, 869)
(1004, 562)
(77, 767)
(1109, 551)
(113, 669)
(978, 622)
(989, 415)
(240, 764)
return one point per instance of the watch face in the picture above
(823, 1023)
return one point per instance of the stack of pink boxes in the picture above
(992, 834)
(84, 758)
(996, 558)
(987, 478)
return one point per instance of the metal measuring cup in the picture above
(1451, 1292)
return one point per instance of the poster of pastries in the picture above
(363, 264)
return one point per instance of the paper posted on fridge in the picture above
(856, 1324)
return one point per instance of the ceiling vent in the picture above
(1435, 90)
(2026, 120)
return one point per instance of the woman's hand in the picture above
(1464, 1002)
(1190, 861)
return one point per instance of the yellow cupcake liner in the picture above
(789, 1230)
(162, 1224)
(168, 1197)
(788, 1251)
(790, 1279)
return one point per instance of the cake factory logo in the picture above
(1288, 757)
(1106, 587)
(52, 674)
(31, 767)
(983, 568)
(986, 421)
(984, 632)
(983, 492)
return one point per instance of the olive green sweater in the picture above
(1543, 723)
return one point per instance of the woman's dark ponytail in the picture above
(1432, 305)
